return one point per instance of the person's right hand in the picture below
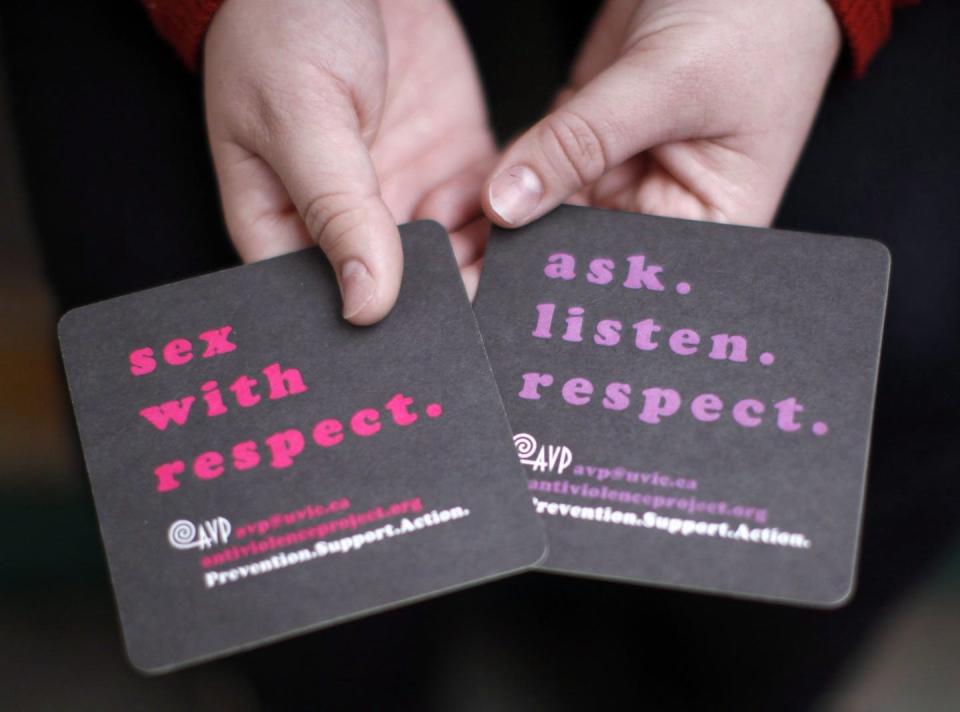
(319, 134)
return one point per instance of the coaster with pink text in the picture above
(692, 402)
(261, 468)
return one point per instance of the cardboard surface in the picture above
(692, 401)
(262, 468)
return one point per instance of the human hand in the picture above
(687, 108)
(330, 122)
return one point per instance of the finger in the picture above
(455, 202)
(582, 196)
(627, 108)
(261, 219)
(326, 169)
(470, 274)
(470, 241)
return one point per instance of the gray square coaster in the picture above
(692, 401)
(261, 468)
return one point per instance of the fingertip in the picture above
(370, 314)
(514, 196)
(363, 246)
(363, 308)
(357, 289)
(369, 293)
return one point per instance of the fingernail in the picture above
(357, 287)
(515, 194)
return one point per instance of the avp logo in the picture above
(184, 534)
(555, 458)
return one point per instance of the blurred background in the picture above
(59, 639)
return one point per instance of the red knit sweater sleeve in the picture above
(866, 25)
(183, 23)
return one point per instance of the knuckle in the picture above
(575, 146)
(331, 218)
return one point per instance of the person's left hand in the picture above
(693, 109)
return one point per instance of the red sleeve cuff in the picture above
(866, 25)
(183, 23)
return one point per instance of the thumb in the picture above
(624, 110)
(330, 177)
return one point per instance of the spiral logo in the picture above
(182, 534)
(525, 443)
